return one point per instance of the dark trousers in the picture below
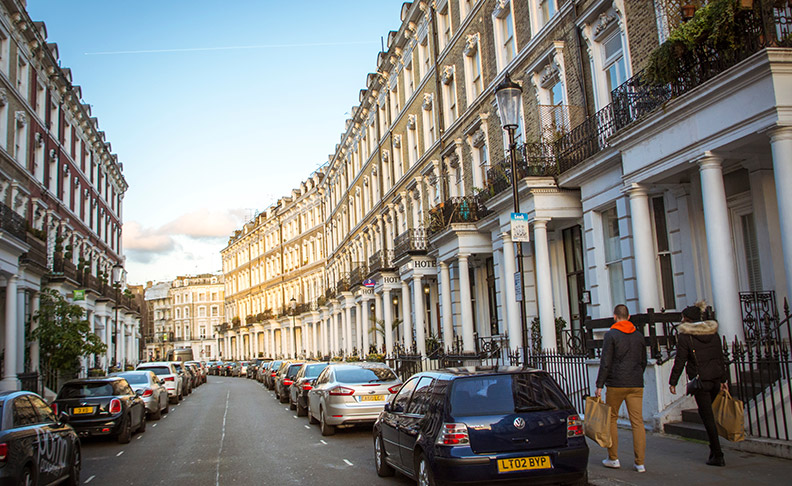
(704, 398)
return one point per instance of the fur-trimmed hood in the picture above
(702, 328)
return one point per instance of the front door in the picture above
(576, 282)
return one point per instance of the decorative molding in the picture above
(39, 137)
(427, 101)
(501, 8)
(3, 97)
(471, 44)
(397, 141)
(21, 118)
(479, 138)
(453, 160)
(448, 74)
(604, 21)
(411, 121)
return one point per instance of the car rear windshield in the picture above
(86, 390)
(508, 393)
(293, 370)
(313, 370)
(364, 375)
(276, 366)
(158, 370)
(135, 378)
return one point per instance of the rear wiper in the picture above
(533, 408)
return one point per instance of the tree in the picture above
(63, 333)
(379, 326)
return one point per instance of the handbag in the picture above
(597, 423)
(694, 385)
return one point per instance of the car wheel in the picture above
(166, 409)
(323, 425)
(301, 411)
(74, 473)
(126, 430)
(383, 468)
(423, 473)
(142, 426)
(284, 399)
(156, 415)
(311, 419)
(27, 477)
(174, 399)
(181, 396)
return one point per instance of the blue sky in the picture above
(215, 108)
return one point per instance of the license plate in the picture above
(82, 410)
(524, 463)
(372, 398)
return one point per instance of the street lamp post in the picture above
(508, 95)
(117, 271)
(293, 338)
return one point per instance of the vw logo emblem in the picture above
(519, 423)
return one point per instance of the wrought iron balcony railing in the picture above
(12, 223)
(379, 261)
(412, 241)
(466, 209)
(358, 274)
(342, 285)
(533, 160)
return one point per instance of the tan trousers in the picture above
(614, 396)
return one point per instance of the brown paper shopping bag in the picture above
(597, 424)
(729, 417)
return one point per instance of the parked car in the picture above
(269, 377)
(186, 374)
(151, 389)
(285, 379)
(235, 369)
(243, 366)
(200, 369)
(484, 425)
(102, 406)
(263, 370)
(349, 394)
(167, 373)
(196, 374)
(212, 367)
(303, 382)
(227, 368)
(36, 447)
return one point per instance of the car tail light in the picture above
(115, 405)
(54, 408)
(169, 378)
(307, 386)
(574, 426)
(3, 452)
(342, 390)
(274, 373)
(453, 434)
(287, 382)
(395, 388)
(147, 392)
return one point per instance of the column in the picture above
(446, 312)
(781, 148)
(511, 315)
(109, 341)
(725, 289)
(468, 338)
(325, 331)
(366, 325)
(387, 307)
(378, 316)
(272, 342)
(10, 380)
(407, 332)
(359, 329)
(35, 350)
(645, 264)
(347, 327)
(292, 339)
(331, 323)
(20, 323)
(544, 285)
(420, 314)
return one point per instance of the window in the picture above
(449, 95)
(751, 252)
(542, 11)
(409, 79)
(419, 404)
(22, 78)
(505, 43)
(43, 411)
(427, 115)
(202, 311)
(5, 52)
(412, 140)
(609, 61)
(614, 66)
(444, 33)
(394, 100)
(24, 413)
(402, 398)
(465, 6)
(473, 77)
(478, 142)
(424, 59)
(665, 269)
(613, 255)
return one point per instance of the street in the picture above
(233, 431)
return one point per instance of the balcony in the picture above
(533, 160)
(37, 255)
(466, 209)
(358, 274)
(12, 223)
(343, 284)
(676, 72)
(411, 242)
(380, 260)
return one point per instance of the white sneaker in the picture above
(614, 464)
(640, 468)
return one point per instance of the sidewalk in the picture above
(671, 460)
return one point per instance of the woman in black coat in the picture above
(699, 351)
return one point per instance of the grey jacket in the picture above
(623, 360)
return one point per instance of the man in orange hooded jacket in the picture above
(622, 368)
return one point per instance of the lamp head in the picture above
(508, 95)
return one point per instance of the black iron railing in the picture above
(658, 328)
(569, 370)
(12, 223)
(412, 241)
(761, 321)
(342, 285)
(532, 160)
(465, 209)
(37, 254)
(358, 274)
(768, 23)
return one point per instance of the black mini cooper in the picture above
(36, 447)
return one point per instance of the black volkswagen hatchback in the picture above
(102, 406)
(486, 425)
(35, 446)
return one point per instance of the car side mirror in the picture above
(63, 418)
(138, 393)
(388, 407)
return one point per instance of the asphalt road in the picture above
(232, 431)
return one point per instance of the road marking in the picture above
(139, 437)
(348, 463)
(89, 480)
(308, 427)
(294, 416)
(286, 408)
(322, 441)
(154, 425)
(119, 453)
(222, 439)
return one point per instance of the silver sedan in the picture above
(150, 388)
(349, 394)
